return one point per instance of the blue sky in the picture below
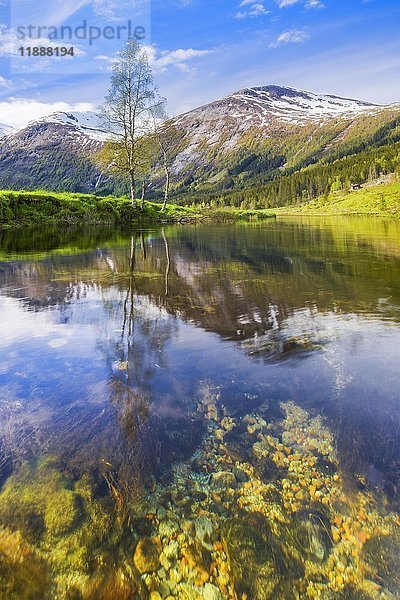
(203, 49)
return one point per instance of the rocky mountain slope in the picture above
(268, 110)
(55, 152)
(264, 131)
(250, 137)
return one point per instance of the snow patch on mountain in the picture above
(87, 122)
(5, 130)
(297, 107)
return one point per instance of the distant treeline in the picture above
(310, 182)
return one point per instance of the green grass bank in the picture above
(41, 208)
(374, 200)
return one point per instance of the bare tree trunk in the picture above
(133, 189)
(143, 194)
(166, 190)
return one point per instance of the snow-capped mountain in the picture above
(5, 130)
(254, 132)
(55, 152)
(295, 106)
(261, 112)
(87, 122)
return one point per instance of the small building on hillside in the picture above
(356, 186)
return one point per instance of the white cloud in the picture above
(18, 112)
(5, 83)
(251, 8)
(315, 4)
(293, 36)
(283, 3)
(161, 60)
(308, 3)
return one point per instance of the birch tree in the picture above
(128, 112)
(168, 139)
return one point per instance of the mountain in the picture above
(283, 123)
(267, 109)
(55, 152)
(5, 130)
(86, 123)
(249, 139)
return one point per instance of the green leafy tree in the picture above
(127, 112)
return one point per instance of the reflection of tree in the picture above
(145, 329)
(240, 283)
(131, 462)
(168, 267)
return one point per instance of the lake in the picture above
(201, 412)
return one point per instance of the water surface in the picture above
(201, 412)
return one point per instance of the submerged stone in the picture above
(222, 481)
(350, 593)
(257, 561)
(204, 531)
(382, 554)
(113, 585)
(198, 558)
(23, 573)
(310, 535)
(147, 555)
(62, 514)
(240, 475)
(211, 592)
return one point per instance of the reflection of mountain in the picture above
(232, 284)
(125, 301)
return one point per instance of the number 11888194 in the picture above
(46, 51)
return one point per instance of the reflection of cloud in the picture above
(19, 325)
(5, 83)
(314, 4)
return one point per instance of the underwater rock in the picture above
(37, 500)
(382, 554)
(350, 593)
(204, 531)
(188, 591)
(211, 592)
(23, 573)
(222, 481)
(142, 527)
(240, 475)
(161, 514)
(310, 535)
(172, 551)
(147, 555)
(168, 528)
(113, 585)
(198, 558)
(61, 515)
(260, 450)
(256, 559)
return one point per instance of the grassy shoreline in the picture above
(41, 208)
(372, 200)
